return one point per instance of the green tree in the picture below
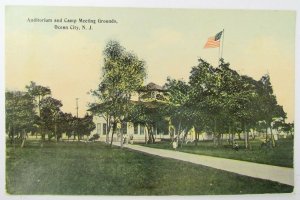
(230, 93)
(150, 113)
(288, 128)
(205, 96)
(222, 99)
(248, 114)
(38, 93)
(179, 107)
(69, 125)
(63, 125)
(50, 116)
(102, 110)
(268, 106)
(84, 126)
(122, 74)
(19, 115)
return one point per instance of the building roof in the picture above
(152, 87)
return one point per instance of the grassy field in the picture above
(95, 169)
(282, 155)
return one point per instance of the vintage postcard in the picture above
(149, 101)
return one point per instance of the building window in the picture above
(136, 128)
(142, 129)
(104, 129)
(98, 128)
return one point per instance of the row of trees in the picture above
(216, 100)
(221, 101)
(36, 112)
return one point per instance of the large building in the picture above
(138, 132)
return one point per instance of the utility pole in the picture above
(77, 106)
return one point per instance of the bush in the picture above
(94, 137)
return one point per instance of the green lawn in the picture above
(95, 169)
(282, 155)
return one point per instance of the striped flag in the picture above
(214, 41)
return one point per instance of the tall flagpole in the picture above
(222, 43)
(219, 56)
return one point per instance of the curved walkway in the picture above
(269, 172)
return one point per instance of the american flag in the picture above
(214, 41)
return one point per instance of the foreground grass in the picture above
(95, 169)
(282, 155)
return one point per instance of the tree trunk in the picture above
(222, 138)
(215, 132)
(23, 139)
(55, 131)
(245, 137)
(230, 135)
(41, 130)
(113, 132)
(43, 136)
(196, 138)
(107, 129)
(121, 138)
(272, 137)
(179, 133)
(254, 134)
(12, 135)
(153, 139)
(249, 144)
(78, 136)
(107, 133)
(146, 140)
(153, 128)
(149, 135)
(215, 139)
(239, 135)
(184, 137)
